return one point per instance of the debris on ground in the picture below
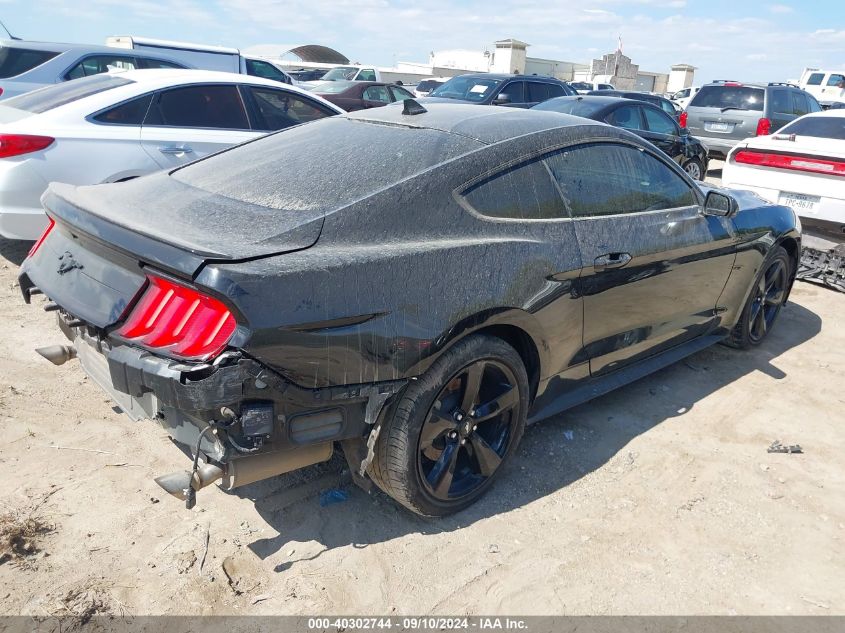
(19, 532)
(826, 268)
(777, 447)
(332, 496)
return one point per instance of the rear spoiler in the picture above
(186, 264)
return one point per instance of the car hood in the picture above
(207, 225)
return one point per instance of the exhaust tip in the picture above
(58, 354)
(179, 483)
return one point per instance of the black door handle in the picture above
(611, 260)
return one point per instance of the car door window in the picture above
(400, 93)
(555, 90)
(537, 91)
(667, 107)
(202, 106)
(660, 122)
(130, 112)
(258, 68)
(835, 79)
(145, 62)
(627, 117)
(377, 93)
(815, 79)
(278, 109)
(607, 178)
(522, 192)
(799, 104)
(515, 91)
(367, 74)
(781, 102)
(96, 64)
(814, 105)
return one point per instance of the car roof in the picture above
(481, 122)
(59, 47)
(505, 76)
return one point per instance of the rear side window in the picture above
(377, 93)
(781, 102)
(204, 106)
(818, 126)
(129, 113)
(14, 61)
(626, 117)
(799, 104)
(278, 109)
(729, 98)
(537, 91)
(606, 179)
(524, 192)
(835, 79)
(659, 122)
(815, 79)
(97, 64)
(400, 93)
(50, 97)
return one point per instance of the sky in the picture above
(746, 40)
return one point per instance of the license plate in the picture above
(718, 127)
(799, 202)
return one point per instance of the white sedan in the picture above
(117, 126)
(801, 166)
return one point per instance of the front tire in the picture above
(768, 294)
(454, 428)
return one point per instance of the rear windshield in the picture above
(44, 99)
(729, 98)
(323, 165)
(331, 87)
(14, 61)
(571, 105)
(832, 127)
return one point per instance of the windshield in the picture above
(340, 73)
(466, 88)
(570, 105)
(729, 98)
(832, 127)
(50, 97)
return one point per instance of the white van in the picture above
(827, 86)
(204, 57)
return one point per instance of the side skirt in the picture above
(595, 387)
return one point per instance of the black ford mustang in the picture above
(413, 286)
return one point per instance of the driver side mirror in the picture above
(502, 98)
(720, 204)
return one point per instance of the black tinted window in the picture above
(516, 91)
(128, 113)
(575, 106)
(799, 104)
(606, 179)
(781, 102)
(50, 97)
(524, 192)
(145, 62)
(732, 97)
(537, 92)
(627, 117)
(199, 106)
(555, 90)
(14, 61)
(97, 64)
(660, 122)
(278, 109)
(818, 126)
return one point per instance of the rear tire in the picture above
(768, 294)
(453, 428)
(694, 169)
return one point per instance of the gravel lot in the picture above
(658, 499)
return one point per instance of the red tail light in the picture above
(796, 163)
(179, 321)
(764, 127)
(17, 144)
(41, 239)
(683, 119)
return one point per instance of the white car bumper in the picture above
(21, 214)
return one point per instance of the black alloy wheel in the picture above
(468, 430)
(767, 300)
(445, 440)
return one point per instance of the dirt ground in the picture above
(658, 499)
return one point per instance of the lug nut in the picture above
(459, 416)
(463, 442)
(475, 427)
(453, 435)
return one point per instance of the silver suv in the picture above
(723, 113)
